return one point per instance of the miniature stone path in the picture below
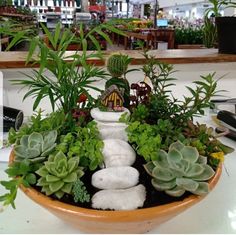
(118, 179)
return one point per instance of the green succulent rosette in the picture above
(36, 146)
(181, 169)
(58, 174)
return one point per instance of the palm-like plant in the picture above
(71, 73)
(218, 5)
(209, 33)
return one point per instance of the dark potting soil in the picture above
(153, 197)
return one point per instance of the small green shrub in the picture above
(189, 35)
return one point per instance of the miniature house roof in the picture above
(110, 90)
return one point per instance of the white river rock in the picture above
(120, 199)
(112, 130)
(118, 153)
(106, 116)
(121, 177)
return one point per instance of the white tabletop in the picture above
(214, 214)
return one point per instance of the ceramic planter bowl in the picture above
(98, 221)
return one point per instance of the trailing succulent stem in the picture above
(181, 169)
(22, 172)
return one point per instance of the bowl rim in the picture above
(124, 215)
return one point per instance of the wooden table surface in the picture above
(175, 56)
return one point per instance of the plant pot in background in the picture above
(226, 30)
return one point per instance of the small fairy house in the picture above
(112, 98)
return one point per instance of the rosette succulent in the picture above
(59, 174)
(181, 169)
(36, 146)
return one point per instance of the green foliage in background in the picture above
(188, 35)
(209, 33)
(218, 5)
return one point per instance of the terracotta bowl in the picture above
(98, 221)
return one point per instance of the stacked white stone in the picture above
(118, 179)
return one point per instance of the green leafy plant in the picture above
(188, 35)
(180, 170)
(140, 113)
(94, 34)
(163, 105)
(35, 147)
(146, 140)
(71, 75)
(84, 143)
(209, 33)
(58, 174)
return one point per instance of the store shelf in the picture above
(17, 59)
(17, 15)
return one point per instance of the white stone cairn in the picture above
(118, 153)
(105, 116)
(112, 130)
(113, 178)
(118, 179)
(120, 199)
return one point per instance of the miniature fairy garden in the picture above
(134, 146)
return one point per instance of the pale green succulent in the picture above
(181, 169)
(36, 146)
(58, 174)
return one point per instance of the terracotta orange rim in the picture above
(139, 214)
